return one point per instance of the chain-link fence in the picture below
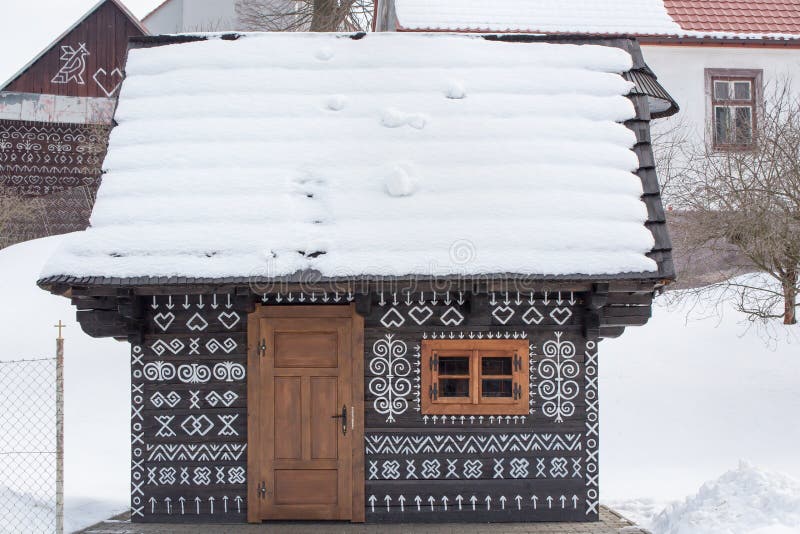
(29, 441)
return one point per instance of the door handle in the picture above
(343, 417)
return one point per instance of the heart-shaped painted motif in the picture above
(452, 317)
(229, 319)
(561, 315)
(533, 315)
(108, 82)
(503, 314)
(393, 318)
(197, 322)
(420, 314)
(163, 320)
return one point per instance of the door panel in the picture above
(288, 418)
(303, 456)
(324, 435)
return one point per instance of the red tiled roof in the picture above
(740, 16)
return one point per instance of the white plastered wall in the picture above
(681, 70)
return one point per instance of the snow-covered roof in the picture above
(715, 19)
(391, 154)
(597, 17)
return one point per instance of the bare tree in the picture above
(305, 15)
(747, 196)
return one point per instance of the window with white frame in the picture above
(734, 97)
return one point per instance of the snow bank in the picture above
(232, 156)
(96, 388)
(744, 500)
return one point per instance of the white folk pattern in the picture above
(592, 429)
(137, 432)
(196, 452)
(390, 385)
(412, 444)
(73, 64)
(557, 373)
(459, 502)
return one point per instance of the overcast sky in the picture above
(28, 26)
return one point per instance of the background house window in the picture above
(734, 96)
(466, 377)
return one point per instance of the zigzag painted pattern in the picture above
(195, 452)
(470, 443)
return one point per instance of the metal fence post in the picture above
(60, 430)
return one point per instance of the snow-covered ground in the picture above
(682, 403)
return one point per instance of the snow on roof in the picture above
(717, 19)
(595, 17)
(392, 154)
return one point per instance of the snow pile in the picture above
(96, 387)
(683, 400)
(637, 17)
(745, 500)
(232, 156)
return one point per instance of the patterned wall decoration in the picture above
(189, 413)
(519, 468)
(55, 169)
(188, 424)
(40, 159)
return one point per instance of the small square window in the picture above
(733, 108)
(478, 377)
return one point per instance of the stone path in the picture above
(610, 523)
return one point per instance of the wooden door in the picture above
(303, 418)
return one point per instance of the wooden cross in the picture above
(60, 325)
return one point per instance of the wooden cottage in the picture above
(364, 277)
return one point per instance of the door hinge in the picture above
(262, 348)
(434, 361)
(434, 392)
(517, 391)
(517, 362)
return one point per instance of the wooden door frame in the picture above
(357, 384)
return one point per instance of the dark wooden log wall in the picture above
(539, 467)
(87, 62)
(189, 411)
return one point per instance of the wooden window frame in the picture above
(755, 103)
(475, 404)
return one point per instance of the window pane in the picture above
(496, 366)
(454, 387)
(744, 125)
(454, 366)
(721, 91)
(496, 387)
(741, 91)
(722, 121)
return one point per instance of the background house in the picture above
(55, 115)
(176, 16)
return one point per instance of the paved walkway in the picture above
(610, 523)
